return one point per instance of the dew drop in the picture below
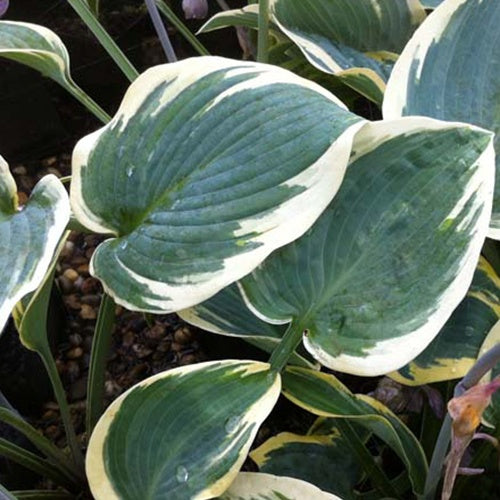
(130, 171)
(124, 245)
(232, 423)
(182, 474)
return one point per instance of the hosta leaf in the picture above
(437, 75)
(431, 4)
(248, 16)
(227, 314)
(324, 395)
(180, 434)
(37, 47)
(325, 461)
(455, 349)
(28, 237)
(341, 37)
(415, 204)
(208, 166)
(258, 486)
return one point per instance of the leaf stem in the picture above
(33, 462)
(287, 346)
(60, 395)
(376, 474)
(51, 451)
(88, 17)
(263, 36)
(88, 102)
(181, 27)
(100, 350)
(482, 366)
(161, 31)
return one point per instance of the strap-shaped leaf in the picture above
(28, 236)
(180, 434)
(415, 204)
(431, 4)
(340, 36)
(208, 166)
(451, 70)
(456, 348)
(36, 47)
(258, 486)
(227, 314)
(324, 395)
(323, 460)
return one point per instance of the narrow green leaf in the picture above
(181, 434)
(324, 395)
(207, 167)
(415, 204)
(451, 70)
(456, 348)
(28, 236)
(258, 486)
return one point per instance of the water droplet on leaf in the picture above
(232, 423)
(130, 171)
(182, 474)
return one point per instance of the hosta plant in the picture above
(252, 201)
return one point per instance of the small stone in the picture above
(75, 339)
(65, 284)
(89, 252)
(78, 389)
(74, 353)
(47, 162)
(188, 359)
(72, 301)
(156, 332)
(71, 274)
(20, 170)
(128, 338)
(91, 299)
(68, 249)
(54, 171)
(88, 312)
(51, 405)
(111, 388)
(52, 432)
(164, 346)
(183, 335)
(89, 285)
(49, 415)
(87, 343)
(83, 268)
(176, 347)
(73, 370)
(142, 351)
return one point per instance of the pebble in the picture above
(142, 351)
(128, 338)
(89, 285)
(87, 343)
(20, 170)
(22, 198)
(88, 312)
(91, 299)
(188, 359)
(71, 274)
(68, 249)
(164, 346)
(49, 161)
(75, 353)
(52, 432)
(72, 301)
(75, 339)
(156, 332)
(78, 389)
(183, 335)
(73, 370)
(65, 284)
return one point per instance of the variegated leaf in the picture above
(357, 42)
(181, 434)
(323, 460)
(451, 70)
(226, 314)
(28, 236)
(207, 167)
(362, 282)
(455, 349)
(324, 395)
(258, 486)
